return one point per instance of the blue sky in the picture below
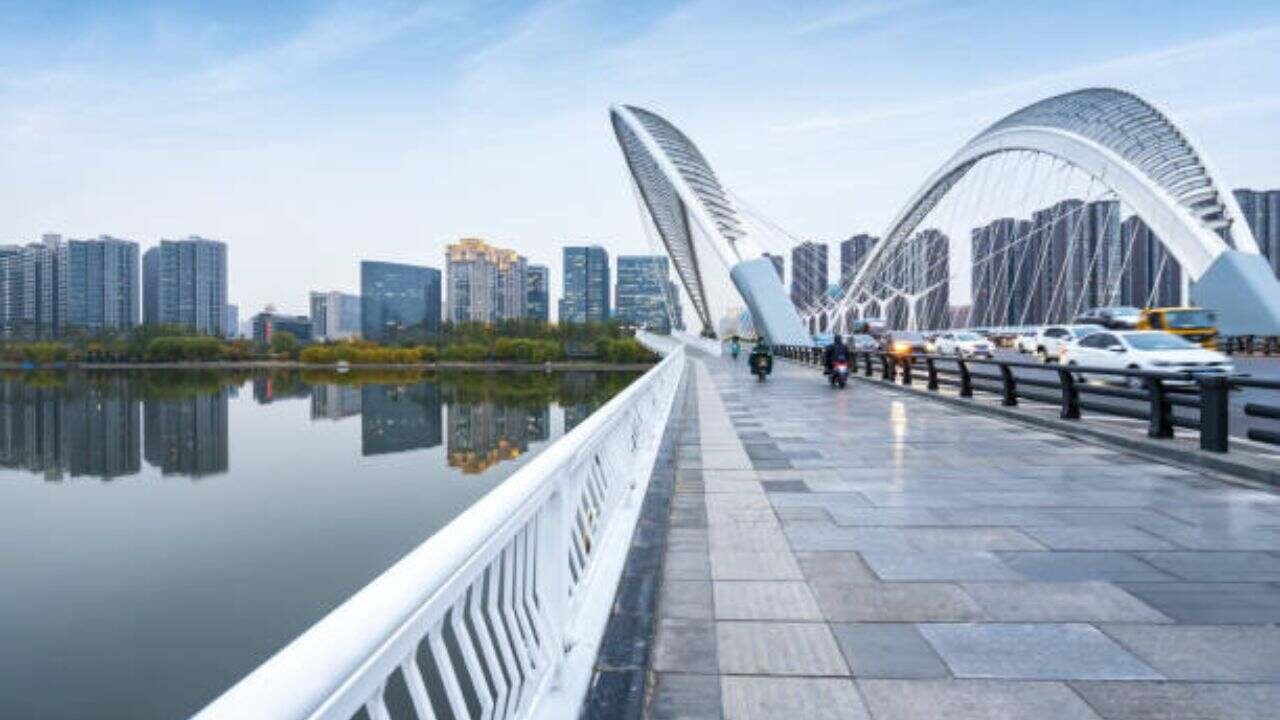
(310, 135)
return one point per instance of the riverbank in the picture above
(480, 366)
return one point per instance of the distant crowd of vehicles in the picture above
(1164, 339)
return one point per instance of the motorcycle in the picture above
(735, 348)
(839, 374)
(761, 363)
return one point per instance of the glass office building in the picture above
(398, 300)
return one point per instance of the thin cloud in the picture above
(851, 15)
(1160, 59)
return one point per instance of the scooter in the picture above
(734, 349)
(761, 362)
(839, 374)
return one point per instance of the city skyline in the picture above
(184, 110)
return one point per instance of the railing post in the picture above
(906, 370)
(966, 380)
(1070, 395)
(933, 373)
(1009, 396)
(886, 369)
(1214, 413)
(1161, 410)
(867, 370)
(553, 571)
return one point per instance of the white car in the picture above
(964, 344)
(1146, 350)
(863, 343)
(1051, 339)
(1025, 342)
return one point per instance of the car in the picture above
(905, 343)
(1051, 339)
(1145, 350)
(963, 343)
(1112, 318)
(1026, 340)
(861, 342)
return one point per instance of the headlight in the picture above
(901, 347)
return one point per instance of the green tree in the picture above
(284, 342)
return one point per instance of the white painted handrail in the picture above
(500, 613)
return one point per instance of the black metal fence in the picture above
(1249, 345)
(1157, 393)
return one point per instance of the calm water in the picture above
(162, 533)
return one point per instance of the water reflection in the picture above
(103, 425)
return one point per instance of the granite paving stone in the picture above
(766, 565)
(685, 697)
(841, 567)
(887, 650)
(912, 565)
(1066, 651)
(757, 600)
(1226, 654)
(1077, 566)
(1061, 602)
(1217, 566)
(686, 646)
(1211, 603)
(896, 602)
(788, 698)
(777, 648)
(1180, 701)
(972, 700)
(686, 599)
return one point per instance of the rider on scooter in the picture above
(835, 352)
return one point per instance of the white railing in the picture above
(707, 345)
(501, 612)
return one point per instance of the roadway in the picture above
(870, 554)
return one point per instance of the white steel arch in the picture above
(1128, 145)
(680, 191)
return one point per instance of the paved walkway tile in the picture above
(775, 698)
(1227, 654)
(1180, 701)
(775, 648)
(1061, 602)
(887, 650)
(1034, 652)
(870, 554)
(972, 700)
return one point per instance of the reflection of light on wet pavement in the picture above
(898, 421)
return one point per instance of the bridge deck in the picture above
(865, 554)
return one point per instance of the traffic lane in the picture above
(1239, 423)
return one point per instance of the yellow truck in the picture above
(1195, 324)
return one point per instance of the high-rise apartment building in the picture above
(808, 274)
(1000, 276)
(853, 253)
(586, 285)
(486, 283)
(231, 325)
(1261, 209)
(334, 315)
(641, 293)
(537, 292)
(98, 285)
(1152, 277)
(184, 283)
(398, 300)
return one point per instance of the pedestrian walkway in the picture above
(867, 554)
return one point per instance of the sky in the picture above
(311, 135)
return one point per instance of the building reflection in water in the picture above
(188, 435)
(396, 418)
(483, 435)
(330, 401)
(76, 429)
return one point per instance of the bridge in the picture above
(705, 546)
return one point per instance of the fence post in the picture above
(966, 380)
(906, 370)
(867, 370)
(886, 368)
(553, 571)
(1161, 410)
(933, 373)
(1009, 387)
(1214, 413)
(1070, 395)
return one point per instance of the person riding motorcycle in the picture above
(836, 351)
(735, 346)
